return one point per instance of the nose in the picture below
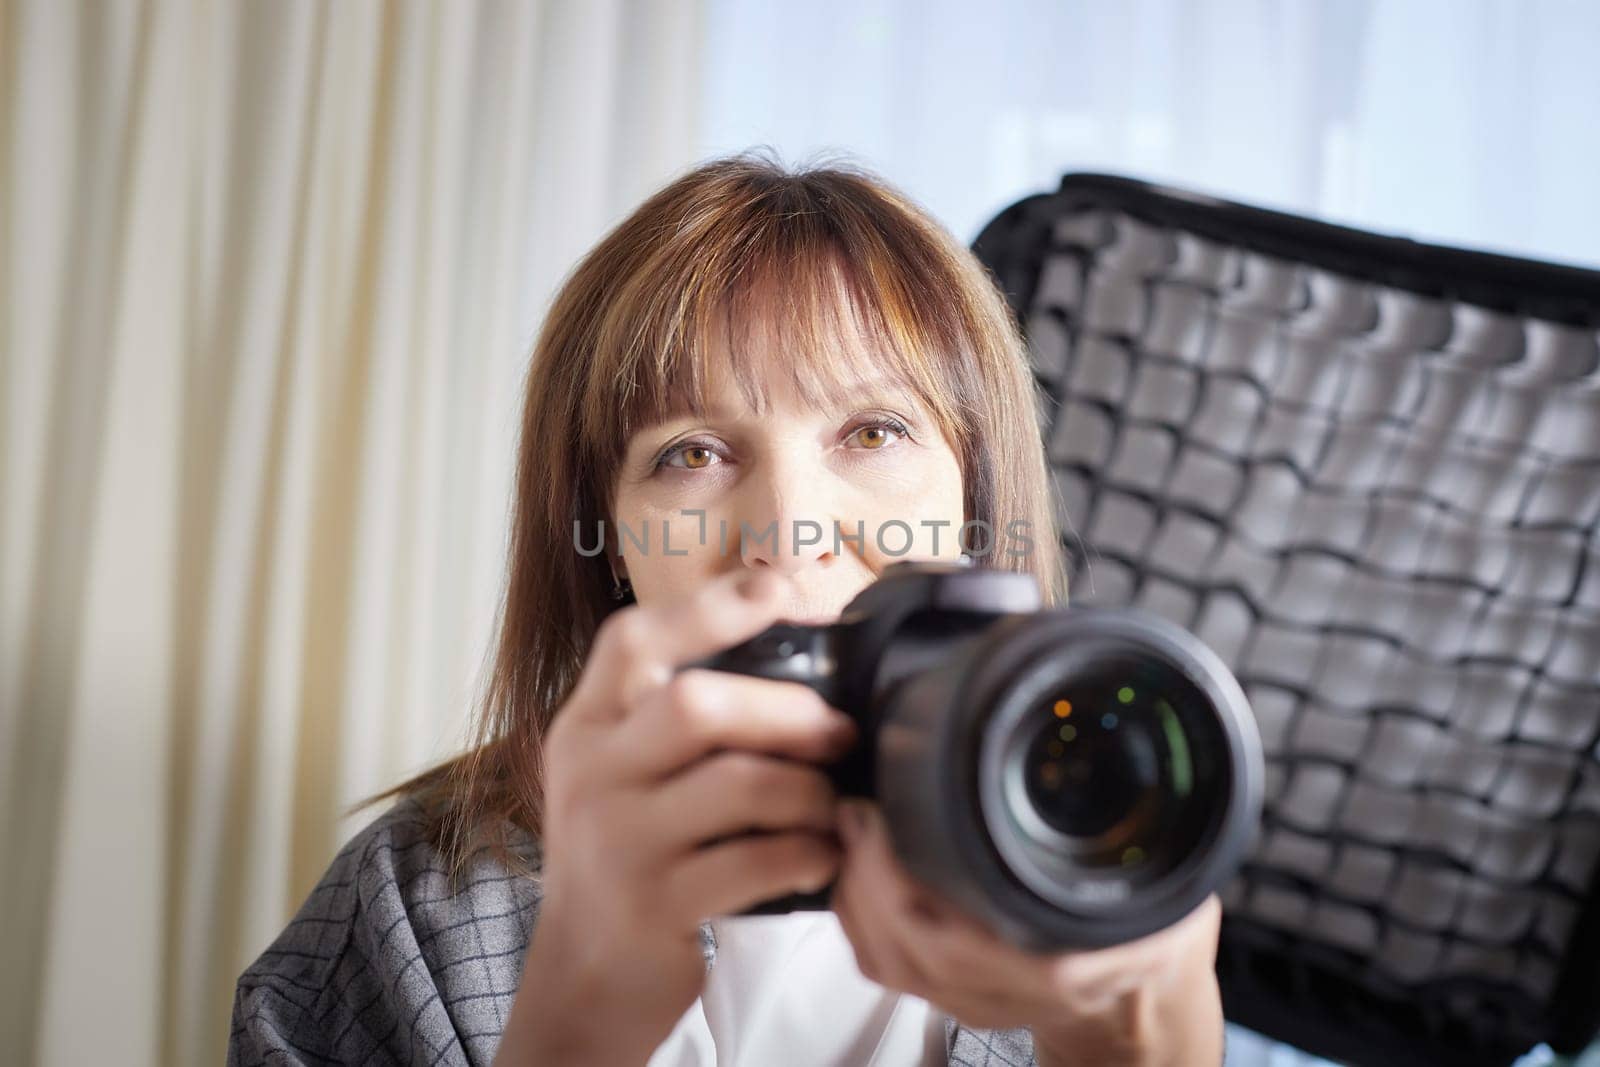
(789, 525)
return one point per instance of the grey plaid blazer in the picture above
(381, 965)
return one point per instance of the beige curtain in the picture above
(269, 273)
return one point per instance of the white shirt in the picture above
(786, 989)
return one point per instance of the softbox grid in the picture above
(1367, 473)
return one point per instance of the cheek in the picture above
(664, 553)
(928, 492)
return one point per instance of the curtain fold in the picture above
(269, 275)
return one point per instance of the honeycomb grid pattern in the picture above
(1380, 508)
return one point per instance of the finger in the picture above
(731, 792)
(985, 1012)
(700, 711)
(637, 648)
(865, 916)
(731, 877)
(876, 959)
(871, 958)
(939, 940)
(1190, 944)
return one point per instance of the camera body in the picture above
(1073, 777)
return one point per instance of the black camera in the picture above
(1074, 777)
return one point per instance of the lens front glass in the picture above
(1110, 765)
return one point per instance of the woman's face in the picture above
(786, 476)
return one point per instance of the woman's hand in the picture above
(1153, 1001)
(646, 768)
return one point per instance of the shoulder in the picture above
(386, 960)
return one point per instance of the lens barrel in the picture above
(1076, 778)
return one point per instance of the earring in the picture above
(620, 587)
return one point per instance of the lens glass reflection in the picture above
(1108, 761)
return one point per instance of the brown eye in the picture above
(877, 435)
(695, 457)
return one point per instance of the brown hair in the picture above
(733, 245)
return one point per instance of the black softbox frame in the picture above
(1366, 470)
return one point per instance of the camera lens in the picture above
(1093, 770)
(1113, 767)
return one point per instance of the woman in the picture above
(740, 403)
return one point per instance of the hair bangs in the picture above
(790, 296)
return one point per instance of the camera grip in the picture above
(797, 901)
(784, 652)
